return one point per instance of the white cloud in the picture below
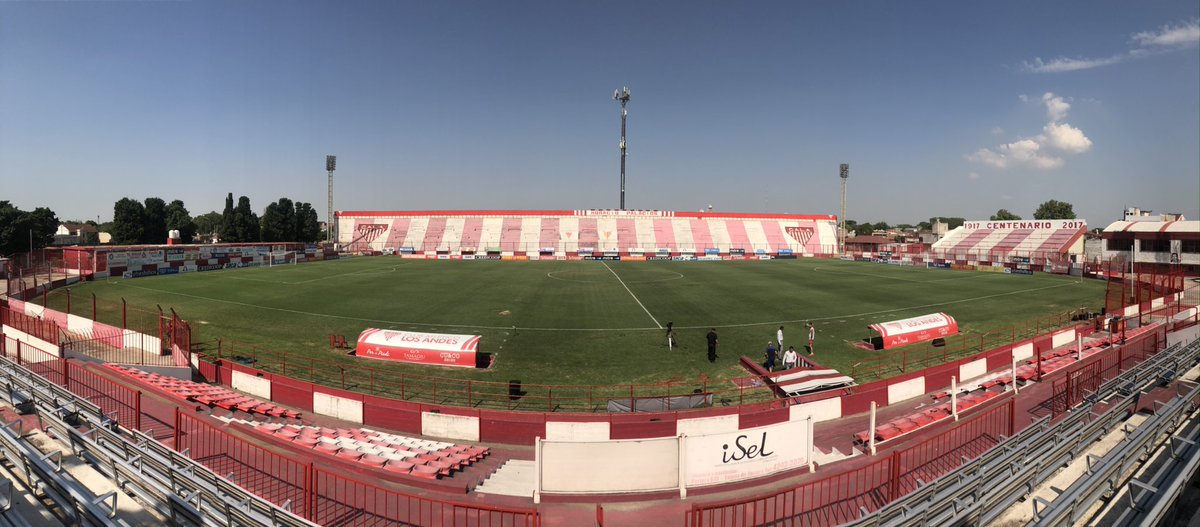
(1164, 39)
(1035, 152)
(1170, 35)
(1023, 97)
(973, 175)
(1066, 138)
(1061, 64)
(1056, 107)
(996, 130)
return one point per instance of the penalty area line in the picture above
(635, 298)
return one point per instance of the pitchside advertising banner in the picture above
(735, 456)
(917, 329)
(420, 348)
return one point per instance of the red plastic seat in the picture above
(424, 472)
(886, 432)
(402, 467)
(349, 454)
(921, 419)
(904, 425)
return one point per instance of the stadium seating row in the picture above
(206, 394)
(903, 425)
(566, 232)
(998, 243)
(416, 457)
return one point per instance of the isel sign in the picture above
(735, 456)
(421, 348)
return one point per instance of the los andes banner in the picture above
(420, 348)
(917, 329)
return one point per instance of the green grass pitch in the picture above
(585, 322)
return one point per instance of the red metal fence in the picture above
(469, 393)
(322, 495)
(840, 498)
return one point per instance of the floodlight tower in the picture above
(330, 166)
(622, 95)
(844, 172)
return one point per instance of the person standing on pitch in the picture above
(779, 338)
(712, 345)
(812, 334)
(789, 358)
(770, 362)
(670, 336)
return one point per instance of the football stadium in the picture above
(460, 333)
(465, 367)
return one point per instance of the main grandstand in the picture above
(570, 232)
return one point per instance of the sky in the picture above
(940, 108)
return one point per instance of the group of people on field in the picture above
(790, 357)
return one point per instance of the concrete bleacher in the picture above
(568, 231)
(983, 240)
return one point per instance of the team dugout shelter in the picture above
(586, 234)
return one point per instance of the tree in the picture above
(208, 225)
(228, 231)
(245, 221)
(155, 218)
(17, 226)
(279, 222)
(179, 219)
(924, 226)
(129, 221)
(270, 230)
(1054, 210)
(864, 229)
(1004, 215)
(308, 228)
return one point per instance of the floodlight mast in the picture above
(844, 172)
(330, 166)
(622, 96)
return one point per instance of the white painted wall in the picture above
(339, 407)
(707, 425)
(823, 410)
(461, 427)
(1062, 338)
(252, 384)
(906, 390)
(1022, 352)
(972, 370)
(577, 431)
(610, 466)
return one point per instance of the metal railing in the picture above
(983, 489)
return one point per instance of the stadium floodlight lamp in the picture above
(845, 171)
(330, 163)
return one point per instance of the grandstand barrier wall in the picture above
(522, 427)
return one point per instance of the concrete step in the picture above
(514, 478)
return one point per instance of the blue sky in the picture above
(941, 108)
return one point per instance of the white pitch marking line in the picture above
(635, 298)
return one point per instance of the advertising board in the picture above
(420, 348)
